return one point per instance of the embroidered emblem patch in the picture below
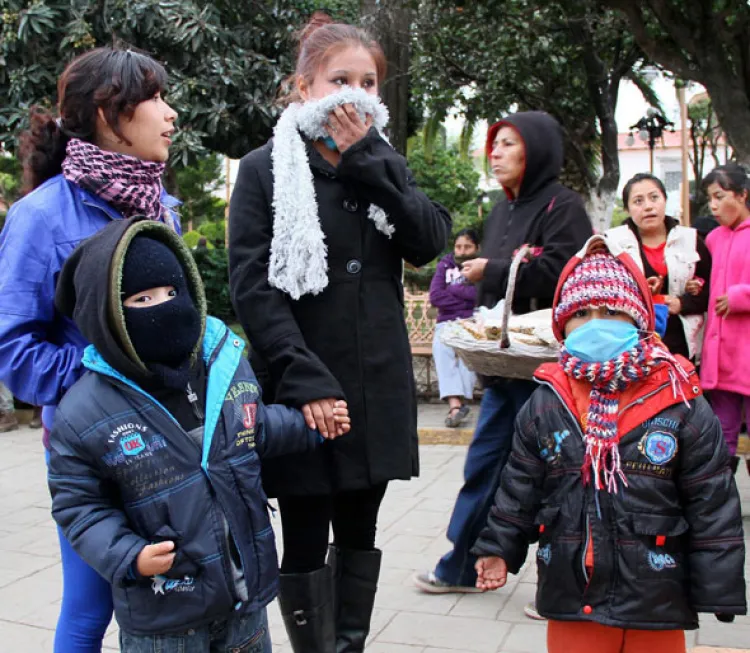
(249, 411)
(658, 447)
(544, 554)
(163, 585)
(552, 446)
(660, 561)
(132, 444)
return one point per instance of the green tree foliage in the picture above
(705, 41)
(10, 183)
(445, 177)
(196, 185)
(225, 60)
(566, 57)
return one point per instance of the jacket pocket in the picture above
(183, 565)
(560, 582)
(659, 546)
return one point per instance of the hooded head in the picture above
(542, 138)
(144, 339)
(597, 278)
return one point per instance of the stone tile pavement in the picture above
(412, 535)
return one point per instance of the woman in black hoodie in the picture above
(526, 154)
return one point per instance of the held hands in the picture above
(492, 573)
(155, 559)
(473, 270)
(722, 306)
(345, 126)
(330, 416)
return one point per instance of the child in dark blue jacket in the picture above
(155, 453)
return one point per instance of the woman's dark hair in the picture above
(731, 177)
(641, 176)
(318, 41)
(111, 79)
(471, 234)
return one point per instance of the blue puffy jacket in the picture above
(124, 474)
(40, 351)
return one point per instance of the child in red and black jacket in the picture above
(619, 469)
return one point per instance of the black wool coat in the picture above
(349, 341)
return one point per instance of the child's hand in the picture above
(655, 284)
(492, 573)
(342, 419)
(694, 286)
(722, 306)
(155, 559)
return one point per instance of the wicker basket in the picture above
(502, 358)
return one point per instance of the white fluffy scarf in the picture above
(299, 256)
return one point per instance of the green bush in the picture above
(191, 239)
(215, 232)
(213, 265)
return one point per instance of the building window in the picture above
(672, 180)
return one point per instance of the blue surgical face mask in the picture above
(598, 341)
(330, 144)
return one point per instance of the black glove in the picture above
(724, 617)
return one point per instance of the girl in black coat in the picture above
(320, 221)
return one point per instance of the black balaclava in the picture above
(163, 336)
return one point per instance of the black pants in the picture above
(305, 522)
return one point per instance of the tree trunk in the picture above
(390, 23)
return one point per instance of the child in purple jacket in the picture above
(454, 298)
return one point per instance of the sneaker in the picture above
(428, 582)
(36, 420)
(8, 422)
(531, 612)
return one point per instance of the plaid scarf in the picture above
(608, 380)
(128, 184)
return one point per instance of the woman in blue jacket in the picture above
(101, 160)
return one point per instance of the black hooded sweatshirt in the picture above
(86, 288)
(545, 214)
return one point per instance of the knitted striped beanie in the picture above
(601, 280)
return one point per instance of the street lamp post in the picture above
(650, 128)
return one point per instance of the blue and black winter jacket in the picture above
(124, 473)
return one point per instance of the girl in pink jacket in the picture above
(726, 346)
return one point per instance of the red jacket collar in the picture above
(655, 391)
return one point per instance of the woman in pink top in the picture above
(726, 347)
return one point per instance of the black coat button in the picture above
(351, 205)
(353, 266)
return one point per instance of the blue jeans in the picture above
(487, 455)
(86, 608)
(245, 634)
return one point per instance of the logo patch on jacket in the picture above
(544, 554)
(660, 561)
(132, 444)
(659, 447)
(249, 412)
(162, 585)
(552, 446)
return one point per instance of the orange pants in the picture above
(590, 637)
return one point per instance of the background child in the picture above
(726, 344)
(155, 452)
(619, 469)
(454, 298)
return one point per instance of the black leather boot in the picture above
(356, 581)
(734, 463)
(306, 602)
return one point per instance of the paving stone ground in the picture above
(412, 536)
